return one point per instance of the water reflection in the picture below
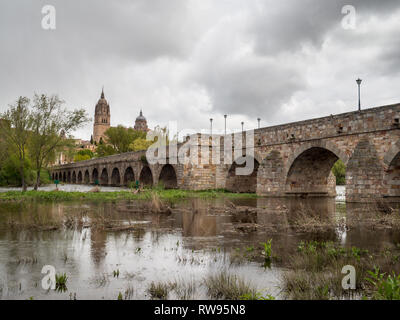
(196, 239)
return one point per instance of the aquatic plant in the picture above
(158, 290)
(227, 286)
(386, 287)
(61, 282)
(257, 296)
(116, 273)
(267, 252)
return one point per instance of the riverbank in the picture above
(169, 195)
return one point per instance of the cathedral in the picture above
(102, 116)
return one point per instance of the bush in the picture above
(339, 170)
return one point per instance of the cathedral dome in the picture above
(141, 123)
(141, 117)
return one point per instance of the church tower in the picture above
(101, 118)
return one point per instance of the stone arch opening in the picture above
(64, 177)
(69, 177)
(79, 177)
(242, 182)
(73, 177)
(146, 177)
(104, 177)
(311, 173)
(87, 177)
(95, 176)
(56, 176)
(168, 177)
(392, 178)
(115, 177)
(129, 176)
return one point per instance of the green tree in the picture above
(82, 155)
(120, 138)
(50, 123)
(10, 174)
(104, 150)
(339, 170)
(15, 130)
(140, 144)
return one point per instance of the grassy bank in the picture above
(170, 195)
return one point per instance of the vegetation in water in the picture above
(315, 272)
(148, 194)
(228, 287)
(61, 282)
(385, 287)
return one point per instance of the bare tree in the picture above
(15, 128)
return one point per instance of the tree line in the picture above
(32, 131)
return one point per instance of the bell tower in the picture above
(101, 118)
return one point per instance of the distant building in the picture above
(101, 119)
(141, 123)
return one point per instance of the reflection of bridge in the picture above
(289, 159)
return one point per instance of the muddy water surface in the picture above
(92, 242)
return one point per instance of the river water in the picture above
(198, 238)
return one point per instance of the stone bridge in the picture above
(289, 160)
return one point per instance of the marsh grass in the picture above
(315, 270)
(384, 287)
(169, 194)
(158, 290)
(61, 282)
(308, 220)
(228, 287)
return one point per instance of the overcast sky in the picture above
(192, 60)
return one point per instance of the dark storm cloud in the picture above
(288, 25)
(185, 59)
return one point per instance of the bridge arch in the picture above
(242, 183)
(87, 177)
(310, 171)
(95, 176)
(79, 177)
(104, 177)
(168, 177)
(73, 177)
(129, 176)
(146, 177)
(115, 177)
(392, 172)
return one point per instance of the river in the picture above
(197, 239)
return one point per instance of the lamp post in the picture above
(225, 116)
(211, 120)
(258, 119)
(359, 93)
(242, 125)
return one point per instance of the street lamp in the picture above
(359, 95)
(258, 119)
(225, 116)
(211, 120)
(242, 125)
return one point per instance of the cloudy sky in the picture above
(192, 60)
